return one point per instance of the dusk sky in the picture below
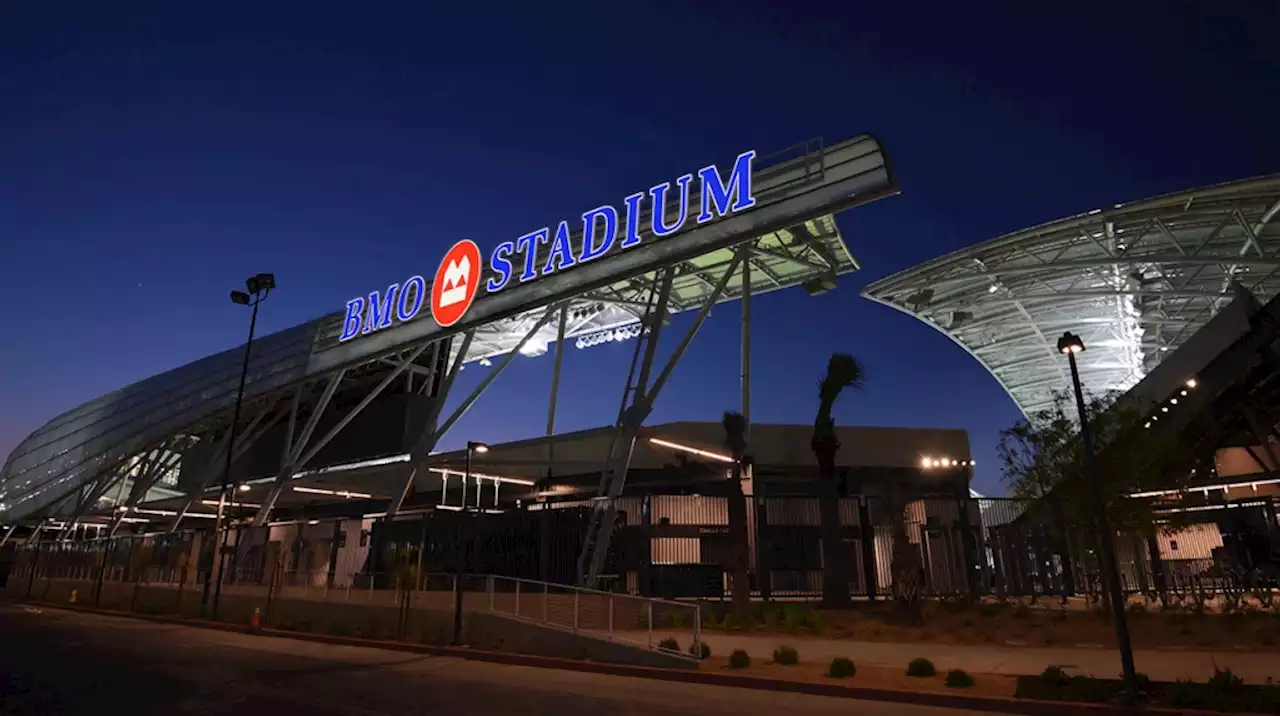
(153, 155)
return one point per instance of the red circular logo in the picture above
(457, 281)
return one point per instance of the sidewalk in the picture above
(1159, 664)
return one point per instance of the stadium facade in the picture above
(335, 467)
(362, 392)
(1175, 298)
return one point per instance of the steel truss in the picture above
(790, 239)
(1135, 281)
(632, 415)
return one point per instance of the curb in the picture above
(996, 704)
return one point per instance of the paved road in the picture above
(57, 662)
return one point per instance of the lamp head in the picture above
(1070, 343)
(240, 297)
(266, 281)
(477, 447)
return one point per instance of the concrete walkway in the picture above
(1159, 664)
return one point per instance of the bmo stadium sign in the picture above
(457, 279)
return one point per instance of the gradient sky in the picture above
(152, 157)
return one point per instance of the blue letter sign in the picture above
(602, 233)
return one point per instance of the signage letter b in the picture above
(351, 325)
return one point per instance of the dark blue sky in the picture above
(154, 154)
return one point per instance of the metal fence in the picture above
(682, 546)
(608, 615)
(667, 547)
(348, 577)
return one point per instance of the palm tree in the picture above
(735, 438)
(843, 371)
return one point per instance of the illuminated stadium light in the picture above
(931, 462)
(478, 476)
(337, 493)
(214, 503)
(691, 450)
(346, 467)
(1206, 489)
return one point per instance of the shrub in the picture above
(921, 667)
(669, 644)
(786, 656)
(1141, 681)
(1224, 679)
(700, 649)
(739, 659)
(841, 668)
(959, 679)
(1053, 676)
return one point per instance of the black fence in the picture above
(681, 546)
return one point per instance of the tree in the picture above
(843, 371)
(735, 438)
(1042, 461)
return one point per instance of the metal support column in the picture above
(294, 445)
(91, 497)
(745, 256)
(555, 390)
(248, 437)
(600, 529)
(429, 425)
(142, 482)
(7, 534)
(432, 433)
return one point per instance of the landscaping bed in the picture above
(872, 677)
(1221, 692)
(1041, 623)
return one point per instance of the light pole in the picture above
(260, 287)
(472, 448)
(1070, 344)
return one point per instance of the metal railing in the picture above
(638, 621)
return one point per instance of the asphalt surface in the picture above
(59, 662)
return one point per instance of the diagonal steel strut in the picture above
(299, 458)
(432, 434)
(605, 508)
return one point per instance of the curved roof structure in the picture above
(1134, 281)
(793, 238)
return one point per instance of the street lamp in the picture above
(472, 448)
(260, 287)
(1070, 344)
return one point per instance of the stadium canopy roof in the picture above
(790, 233)
(1134, 281)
